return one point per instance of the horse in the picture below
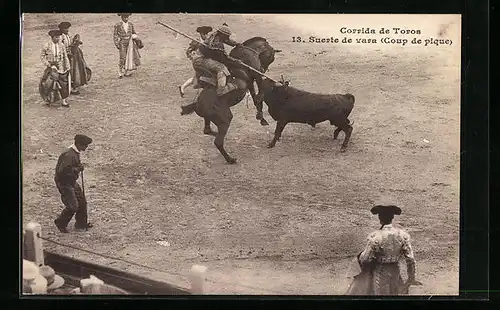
(216, 109)
(266, 53)
(256, 53)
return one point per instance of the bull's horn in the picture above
(278, 51)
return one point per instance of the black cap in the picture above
(204, 29)
(386, 209)
(64, 25)
(55, 33)
(82, 140)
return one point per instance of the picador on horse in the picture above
(211, 60)
(225, 78)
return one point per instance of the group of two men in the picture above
(65, 67)
(212, 56)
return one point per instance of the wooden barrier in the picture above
(72, 270)
(197, 278)
(33, 250)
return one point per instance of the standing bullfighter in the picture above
(380, 259)
(67, 171)
(66, 41)
(80, 73)
(54, 85)
(127, 42)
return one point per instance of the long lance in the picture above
(231, 58)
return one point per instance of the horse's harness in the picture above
(250, 49)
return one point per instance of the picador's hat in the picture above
(124, 14)
(384, 205)
(224, 30)
(55, 33)
(204, 29)
(82, 140)
(64, 25)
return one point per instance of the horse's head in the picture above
(267, 57)
(266, 52)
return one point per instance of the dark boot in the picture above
(84, 226)
(61, 228)
(63, 219)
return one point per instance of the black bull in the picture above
(290, 105)
(255, 52)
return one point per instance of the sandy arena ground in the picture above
(287, 220)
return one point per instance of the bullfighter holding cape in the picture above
(379, 272)
(55, 85)
(128, 43)
(80, 73)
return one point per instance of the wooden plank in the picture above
(132, 283)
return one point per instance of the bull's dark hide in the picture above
(294, 105)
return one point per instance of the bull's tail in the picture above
(188, 109)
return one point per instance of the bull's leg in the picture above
(207, 129)
(348, 130)
(280, 125)
(336, 133)
(221, 135)
(258, 100)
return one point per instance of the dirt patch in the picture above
(288, 219)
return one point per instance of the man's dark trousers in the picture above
(75, 204)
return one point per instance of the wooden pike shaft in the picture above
(203, 43)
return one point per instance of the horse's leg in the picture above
(208, 130)
(223, 126)
(258, 101)
(280, 125)
(251, 88)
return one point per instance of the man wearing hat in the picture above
(192, 53)
(383, 251)
(80, 73)
(123, 34)
(54, 85)
(215, 56)
(65, 38)
(67, 171)
(67, 42)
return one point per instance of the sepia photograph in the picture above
(240, 154)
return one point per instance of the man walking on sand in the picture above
(67, 171)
